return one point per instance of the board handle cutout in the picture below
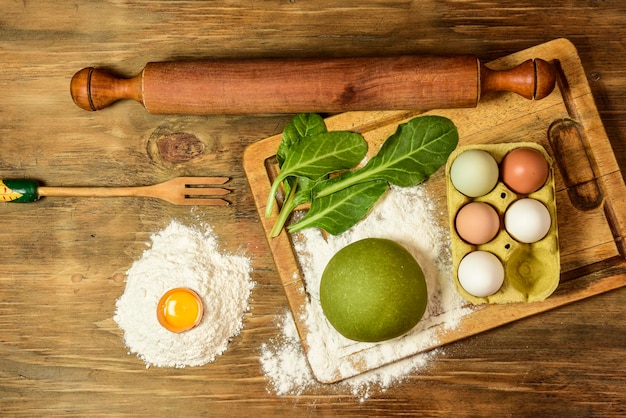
(575, 163)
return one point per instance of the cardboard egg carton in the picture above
(531, 271)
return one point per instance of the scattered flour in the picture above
(404, 215)
(181, 256)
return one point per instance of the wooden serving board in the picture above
(591, 208)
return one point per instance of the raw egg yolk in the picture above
(179, 310)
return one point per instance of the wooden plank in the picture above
(60, 351)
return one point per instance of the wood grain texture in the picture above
(63, 261)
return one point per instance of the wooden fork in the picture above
(179, 191)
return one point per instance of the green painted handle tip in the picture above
(18, 190)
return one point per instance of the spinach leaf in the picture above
(338, 212)
(416, 150)
(308, 154)
(301, 126)
(299, 193)
(318, 156)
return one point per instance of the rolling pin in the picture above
(311, 84)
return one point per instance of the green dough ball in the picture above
(373, 290)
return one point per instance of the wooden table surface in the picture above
(64, 260)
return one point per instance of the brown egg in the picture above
(477, 223)
(524, 170)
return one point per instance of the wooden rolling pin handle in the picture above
(323, 85)
(94, 89)
(532, 79)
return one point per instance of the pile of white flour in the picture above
(181, 256)
(407, 216)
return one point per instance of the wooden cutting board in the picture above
(591, 209)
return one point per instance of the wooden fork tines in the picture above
(199, 191)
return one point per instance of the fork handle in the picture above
(311, 84)
(26, 190)
(82, 191)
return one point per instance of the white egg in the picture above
(474, 173)
(527, 220)
(481, 273)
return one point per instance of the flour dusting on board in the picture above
(181, 256)
(407, 216)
